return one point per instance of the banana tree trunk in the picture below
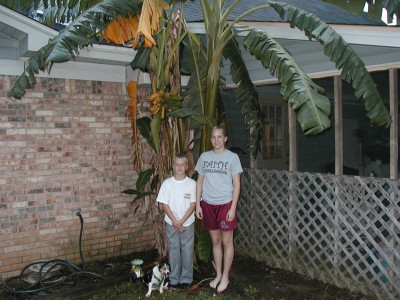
(211, 104)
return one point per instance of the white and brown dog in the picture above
(157, 278)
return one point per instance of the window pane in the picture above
(272, 132)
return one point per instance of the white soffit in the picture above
(20, 27)
(70, 70)
(386, 36)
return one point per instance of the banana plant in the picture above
(311, 105)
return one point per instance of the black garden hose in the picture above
(65, 273)
(78, 213)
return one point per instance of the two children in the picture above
(214, 197)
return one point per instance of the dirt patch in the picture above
(272, 283)
(249, 279)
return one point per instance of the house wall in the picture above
(66, 146)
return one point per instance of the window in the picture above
(272, 142)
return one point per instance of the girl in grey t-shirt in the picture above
(217, 194)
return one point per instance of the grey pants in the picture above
(180, 254)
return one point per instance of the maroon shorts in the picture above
(214, 217)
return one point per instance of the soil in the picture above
(249, 279)
(271, 283)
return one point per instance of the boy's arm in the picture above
(188, 213)
(170, 214)
(191, 208)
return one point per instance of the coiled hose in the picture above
(49, 275)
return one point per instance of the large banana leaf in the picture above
(67, 44)
(342, 54)
(53, 11)
(302, 94)
(194, 62)
(246, 93)
(375, 8)
(185, 112)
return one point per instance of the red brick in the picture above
(67, 149)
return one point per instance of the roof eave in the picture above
(386, 36)
(33, 35)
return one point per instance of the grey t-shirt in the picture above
(218, 169)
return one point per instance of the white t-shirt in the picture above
(178, 194)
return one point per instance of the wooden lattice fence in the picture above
(342, 230)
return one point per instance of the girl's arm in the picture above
(199, 190)
(236, 191)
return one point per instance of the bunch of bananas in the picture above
(155, 101)
(162, 101)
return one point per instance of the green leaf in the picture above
(155, 127)
(345, 58)
(187, 112)
(131, 192)
(204, 243)
(141, 183)
(139, 195)
(141, 59)
(144, 179)
(302, 94)
(143, 125)
(60, 11)
(194, 62)
(246, 93)
(78, 34)
(72, 3)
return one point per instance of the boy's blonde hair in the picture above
(181, 155)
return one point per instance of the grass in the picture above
(137, 290)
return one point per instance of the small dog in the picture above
(157, 278)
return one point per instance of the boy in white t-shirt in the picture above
(178, 197)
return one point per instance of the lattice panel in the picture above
(342, 230)
(266, 225)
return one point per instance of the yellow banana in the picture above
(153, 97)
(154, 109)
(156, 97)
(162, 112)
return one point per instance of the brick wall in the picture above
(66, 146)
